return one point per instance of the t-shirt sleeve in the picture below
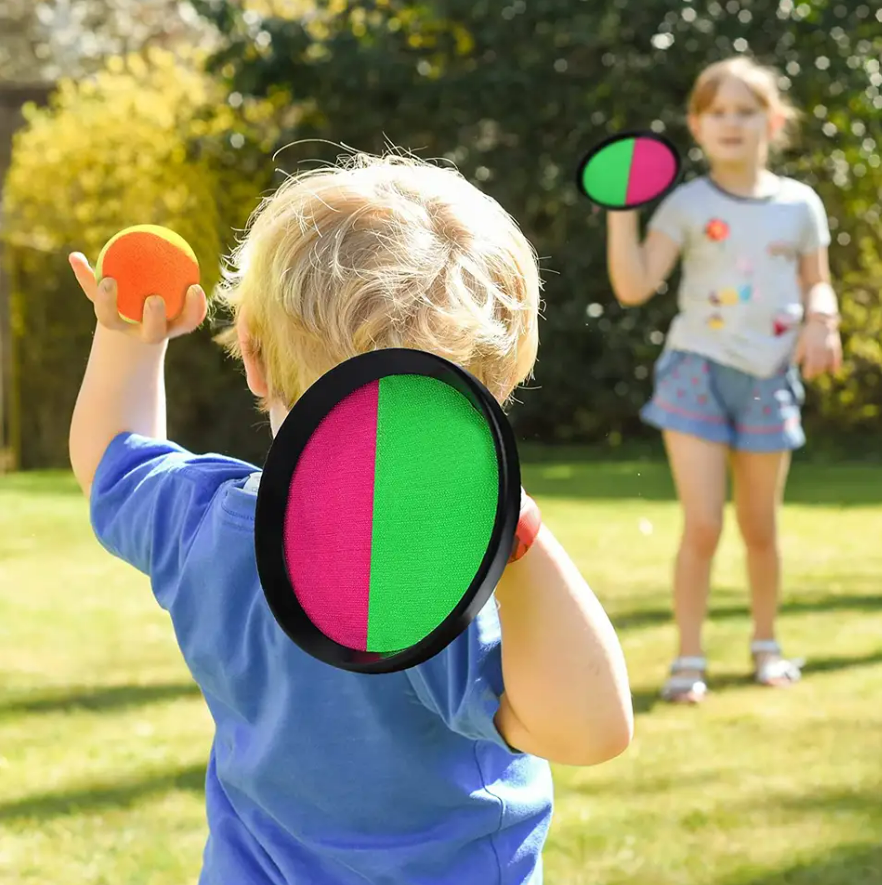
(670, 217)
(463, 683)
(816, 229)
(148, 500)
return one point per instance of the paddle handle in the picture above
(529, 523)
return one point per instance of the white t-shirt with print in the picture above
(740, 298)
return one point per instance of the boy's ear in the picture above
(254, 371)
(692, 122)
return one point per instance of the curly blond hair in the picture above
(379, 252)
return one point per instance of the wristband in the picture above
(529, 523)
(830, 320)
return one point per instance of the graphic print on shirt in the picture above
(782, 249)
(744, 266)
(716, 230)
(785, 321)
(732, 295)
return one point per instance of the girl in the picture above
(755, 302)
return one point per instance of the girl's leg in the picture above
(759, 480)
(699, 471)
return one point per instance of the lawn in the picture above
(103, 736)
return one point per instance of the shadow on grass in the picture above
(822, 802)
(844, 865)
(98, 797)
(644, 787)
(644, 699)
(809, 484)
(111, 697)
(648, 617)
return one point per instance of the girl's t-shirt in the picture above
(740, 297)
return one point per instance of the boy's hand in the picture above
(154, 328)
(819, 348)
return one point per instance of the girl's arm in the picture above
(567, 697)
(819, 348)
(637, 270)
(819, 297)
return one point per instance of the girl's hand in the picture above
(154, 327)
(819, 348)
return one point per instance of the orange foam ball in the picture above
(148, 260)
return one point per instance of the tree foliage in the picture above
(515, 91)
(511, 91)
(150, 140)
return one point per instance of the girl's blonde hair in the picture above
(380, 252)
(761, 80)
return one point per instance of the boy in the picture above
(437, 775)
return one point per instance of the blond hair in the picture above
(762, 81)
(379, 252)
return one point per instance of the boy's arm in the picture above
(148, 497)
(567, 696)
(123, 388)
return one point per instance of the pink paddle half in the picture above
(329, 558)
(653, 167)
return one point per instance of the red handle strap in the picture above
(528, 527)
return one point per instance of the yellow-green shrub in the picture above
(149, 140)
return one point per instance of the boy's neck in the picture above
(277, 415)
(743, 180)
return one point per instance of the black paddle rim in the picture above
(272, 503)
(623, 136)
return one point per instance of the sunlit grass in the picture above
(104, 738)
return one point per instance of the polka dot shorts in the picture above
(703, 398)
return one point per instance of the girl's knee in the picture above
(701, 535)
(758, 534)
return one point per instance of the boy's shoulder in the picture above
(150, 499)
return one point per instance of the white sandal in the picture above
(775, 670)
(680, 688)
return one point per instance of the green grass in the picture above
(103, 737)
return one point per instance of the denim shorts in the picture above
(703, 398)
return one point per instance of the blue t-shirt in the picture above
(317, 775)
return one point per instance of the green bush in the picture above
(150, 140)
(516, 92)
(513, 94)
